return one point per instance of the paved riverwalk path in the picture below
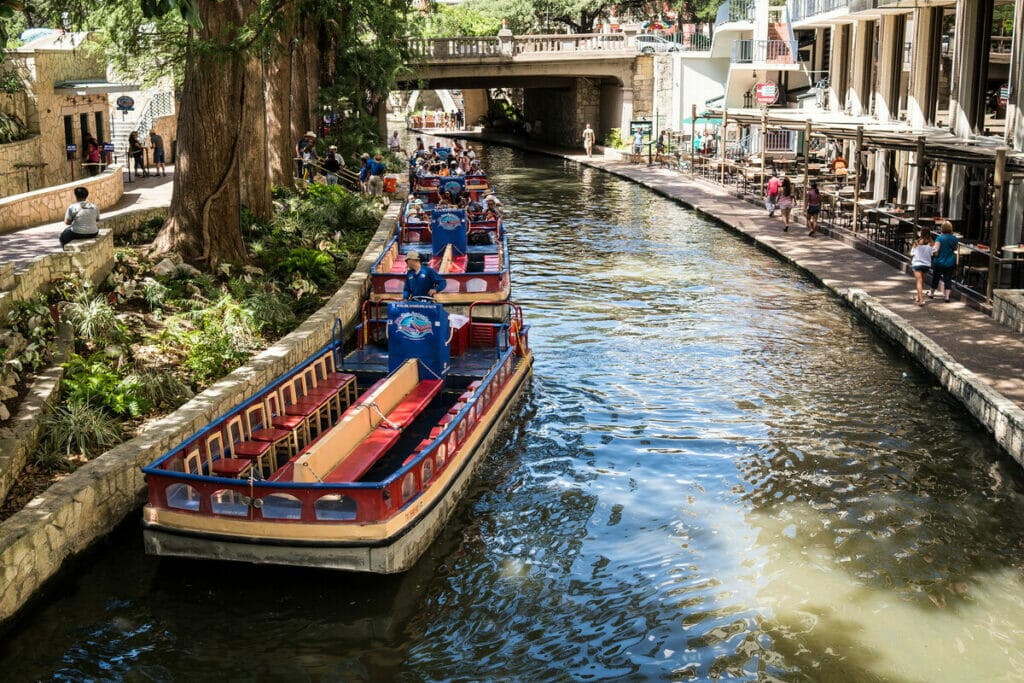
(142, 193)
(973, 339)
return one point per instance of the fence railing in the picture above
(805, 9)
(462, 46)
(770, 51)
(568, 43)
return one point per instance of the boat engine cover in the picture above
(419, 330)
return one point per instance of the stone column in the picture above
(837, 65)
(475, 103)
(890, 72)
(966, 111)
(1015, 125)
(924, 64)
(858, 90)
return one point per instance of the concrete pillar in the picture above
(924, 65)
(837, 67)
(858, 91)
(967, 88)
(760, 20)
(890, 72)
(475, 102)
(819, 55)
(1015, 126)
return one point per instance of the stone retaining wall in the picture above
(13, 180)
(20, 434)
(86, 505)
(49, 204)
(93, 259)
(1008, 308)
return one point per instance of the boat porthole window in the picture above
(461, 433)
(408, 486)
(428, 470)
(182, 497)
(281, 506)
(442, 455)
(229, 502)
(335, 507)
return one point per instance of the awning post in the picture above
(725, 129)
(764, 144)
(856, 181)
(919, 160)
(995, 239)
(693, 139)
(807, 160)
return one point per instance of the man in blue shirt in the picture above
(420, 280)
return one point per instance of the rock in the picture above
(165, 268)
(6, 393)
(188, 271)
(4, 413)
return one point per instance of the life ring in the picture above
(513, 336)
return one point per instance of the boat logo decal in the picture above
(413, 325)
(448, 221)
(452, 186)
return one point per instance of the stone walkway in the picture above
(142, 193)
(993, 352)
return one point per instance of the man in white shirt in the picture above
(81, 218)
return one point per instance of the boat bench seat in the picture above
(414, 402)
(356, 463)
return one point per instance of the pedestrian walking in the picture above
(136, 150)
(332, 165)
(306, 142)
(157, 142)
(786, 203)
(771, 200)
(588, 141)
(376, 172)
(92, 155)
(82, 219)
(944, 261)
(921, 260)
(813, 208)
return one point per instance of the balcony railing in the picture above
(735, 10)
(805, 9)
(764, 51)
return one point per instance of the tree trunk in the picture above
(281, 147)
(203, 221)
(254, 192)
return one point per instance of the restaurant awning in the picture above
(702, 121)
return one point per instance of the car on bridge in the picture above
(651, 44)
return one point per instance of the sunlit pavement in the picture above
(141, 193)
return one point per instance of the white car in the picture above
(651, 44)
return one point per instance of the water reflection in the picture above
(720, 472)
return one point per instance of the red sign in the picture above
(766, 93)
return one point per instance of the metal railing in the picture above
(805, 9)
(999, 45)
(769, 51)
(735, 10)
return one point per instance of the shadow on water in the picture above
(719, 472)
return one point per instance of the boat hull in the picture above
(388, 547)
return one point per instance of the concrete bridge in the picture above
(567, 80)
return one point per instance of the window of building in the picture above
(99, 127)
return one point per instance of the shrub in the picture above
(614, 139)
(310, 264)
(75, 427)
(95, 383)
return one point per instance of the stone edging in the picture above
(20, 434)
(47, 205)
(87, 504)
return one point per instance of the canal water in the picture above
(719, 472)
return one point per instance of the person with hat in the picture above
(420, 280)
(307, 142)
(376, 169)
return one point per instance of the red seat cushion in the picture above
(251, 449)
(271, 434)
(415, 401)
(231, 466)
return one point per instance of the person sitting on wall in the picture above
(420, 280)
(81, 218)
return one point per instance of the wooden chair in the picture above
(294, 402)
(220, 457)
(279, 419)
(260, 429)
(243, 446)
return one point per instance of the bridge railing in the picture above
(462, 46)
(569, 43)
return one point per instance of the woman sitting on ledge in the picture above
(81, 218)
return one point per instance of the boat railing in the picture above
(170, 487)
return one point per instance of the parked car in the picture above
(651, 44)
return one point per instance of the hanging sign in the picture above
(125, 103)
(1004, 94)
(766, 93)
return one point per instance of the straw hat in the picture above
(333, 148)
(310, 134)
(412, 256)
(378, 156)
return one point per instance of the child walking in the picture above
(921, 260)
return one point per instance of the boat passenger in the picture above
(420, 280)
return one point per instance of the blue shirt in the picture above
(420, 284)
(377, 168)
(946, 258)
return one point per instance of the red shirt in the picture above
(773, 186)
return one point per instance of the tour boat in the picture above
(348, 462)
(471, 257)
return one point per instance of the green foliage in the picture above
(309, 264)
(614, 139)
(271, 311)
(75, 427)
(93, 382)
(11, 129)
(95, 320)
(10, 82)
(468, 19)
(216, 338)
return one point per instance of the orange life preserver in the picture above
(513, 336)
